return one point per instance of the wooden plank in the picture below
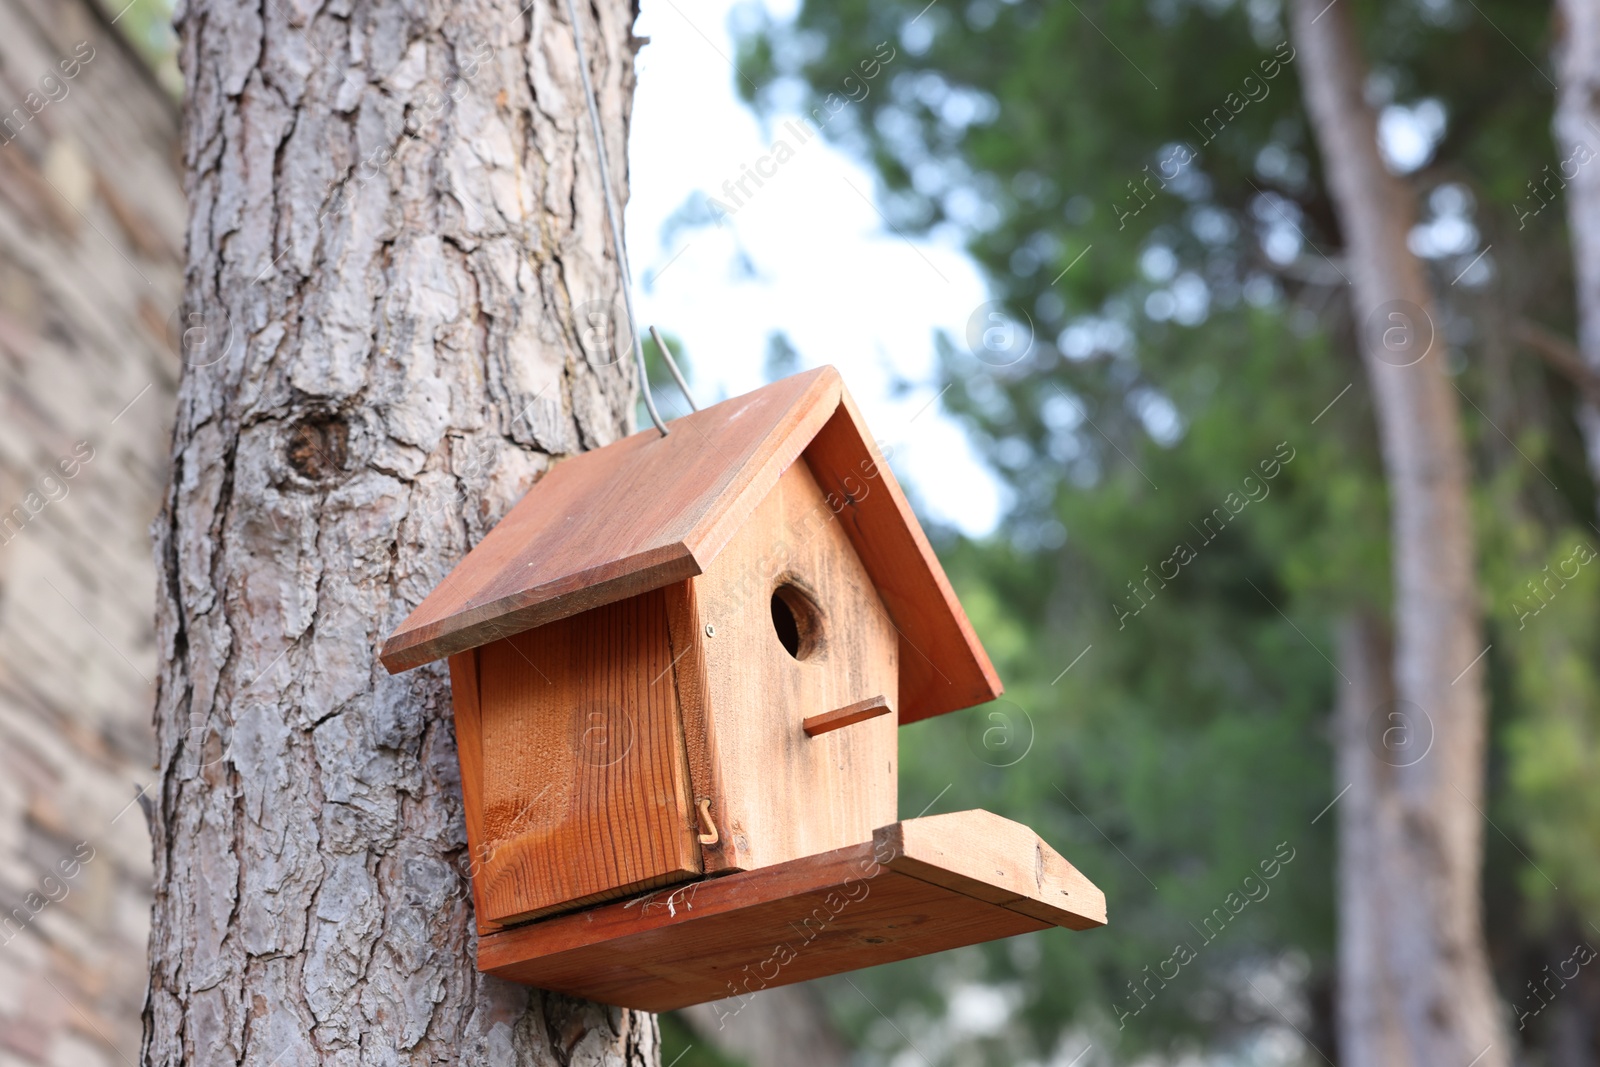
(604, 525)
(586, 782)
(699, 731)
(848, 715)
(854, 907)
(994, 859)
(469, 749)
(943, 666)
(786, 794)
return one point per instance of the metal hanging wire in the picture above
(616, 242)
(672, 365)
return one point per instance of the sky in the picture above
(807, 254)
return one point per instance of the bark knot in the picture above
(318, 447)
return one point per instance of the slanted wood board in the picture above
(996, 860)
(586, 796)
(699, 729)
(905, 893)
(620, 520)
(469, 751)
(787, 794)
(943, 666)
(849, 715)
(648, 511)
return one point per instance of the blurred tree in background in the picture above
(1171, 312)
(148, 27)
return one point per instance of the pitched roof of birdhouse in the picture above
(647, 511)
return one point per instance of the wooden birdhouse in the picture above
(678, 668)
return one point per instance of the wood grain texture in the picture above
(699, 730)
(943, 666)
(641, 513)
(848, 715)
(995, 859)
(585, 780)
(649, 511)
(785, 794)
(887, 899)
(464, 699)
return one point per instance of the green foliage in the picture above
(1554, 747)
(682, 1047)
(147, 25)
(1186, 741)
(1138, 183)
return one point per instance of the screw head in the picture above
(711, 631)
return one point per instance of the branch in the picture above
(1561, 356)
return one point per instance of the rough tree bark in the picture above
(1577, 129)
(394, 211)
(1423, 979)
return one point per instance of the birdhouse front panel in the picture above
(586, 796)
(796, 631)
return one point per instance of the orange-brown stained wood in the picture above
(699, 728)
(469, 750)
(849, 715)
(994, 859)
(906, 893)
(585, 780)
(648, 511)
(617, 521)
(786, 794)
(943, 666)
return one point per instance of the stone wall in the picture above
(91, 224)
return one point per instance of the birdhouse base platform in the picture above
(919, 886)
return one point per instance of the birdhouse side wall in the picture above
(786, 794)
(585, 784)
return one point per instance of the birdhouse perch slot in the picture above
(678, 668)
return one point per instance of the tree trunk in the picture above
(1423, 884)
(394, 211)
(783, 1027)
(1370, 827)
(1577, 129)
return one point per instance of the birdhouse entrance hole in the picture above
(797, 620)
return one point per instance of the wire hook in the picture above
(672, 365)
(616, 232)
(708, 825)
